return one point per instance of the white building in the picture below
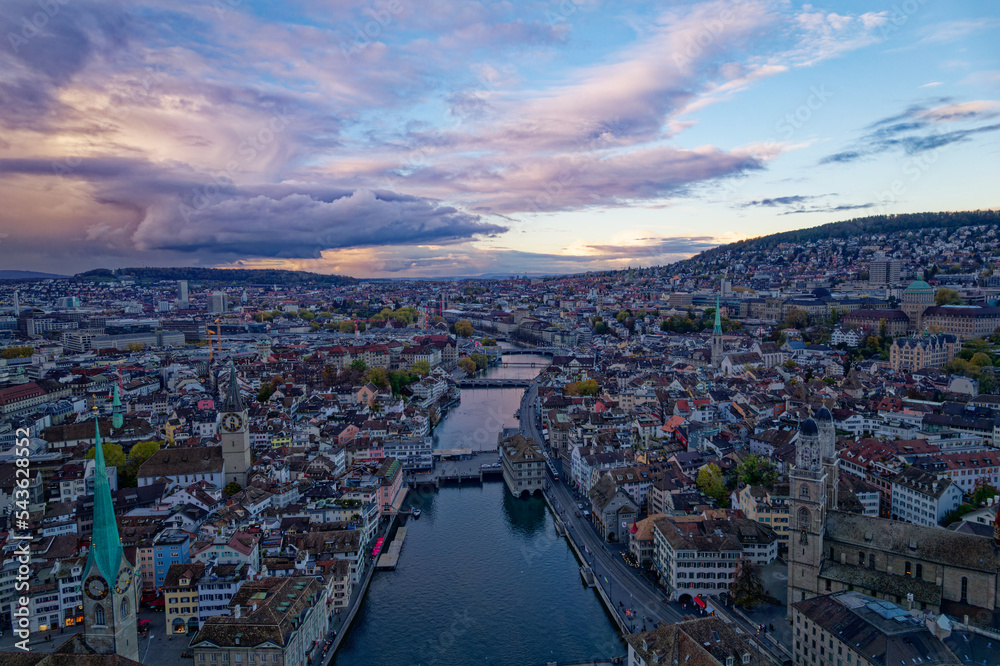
(922, 498)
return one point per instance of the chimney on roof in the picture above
(236, 611)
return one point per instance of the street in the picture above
(625, 586)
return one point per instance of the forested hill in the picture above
(230, 276)
(875, 224)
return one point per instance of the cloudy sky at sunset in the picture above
(454, 137)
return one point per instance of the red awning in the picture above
(699, 602)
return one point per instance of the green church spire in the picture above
(105, 543)
(116, 410)
(718, 319)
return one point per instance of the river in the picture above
(482, 578)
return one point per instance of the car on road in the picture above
(579, 505)
(577, 514)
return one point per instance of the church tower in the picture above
(110, 588)
(806, 514)
(828, 455)
(718, 348)
(235, 432)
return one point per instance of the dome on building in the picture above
(918, 286)
(808, 427)
(821, 293)
(823, 414)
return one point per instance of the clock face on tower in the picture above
(232, 422)
(123, 581)
(96, 587)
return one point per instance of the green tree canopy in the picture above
(757, 470)
(467, 364)
(422, 367)
(114, 455)
(945, 296)
(231, 488)
(712, 484)
(358, 365)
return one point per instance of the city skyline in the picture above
(381, 139)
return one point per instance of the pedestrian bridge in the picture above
(472, 382)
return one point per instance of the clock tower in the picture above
(110, 589)
(234, 431)
(807, 487)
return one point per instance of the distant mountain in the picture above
(29, 275)
(229, 276)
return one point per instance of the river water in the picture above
(482, 578)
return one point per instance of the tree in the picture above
(306, 315)
(757, 470)
(983, 492)
(231, 488)
(265, 392)
(747, 588)
(945, 296)
(17, 352)
(377, 376)
(463, 328)
(114, 455)
(480, 360)
(488, 342)
(141, 452)
(135, 347)
(358, 365)
(711, 483)
(796, 318)
(346, 327)
(467, 364)
(981, 359)
(587, 387)
(421, 367)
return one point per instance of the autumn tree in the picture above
(587, 387)
(463, 328)
(467, 364)
(421, 366)
(796, 318)
(945, 296)
(17, 352)
(378, 377)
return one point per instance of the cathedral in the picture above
(911, 565)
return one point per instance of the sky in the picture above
(395, 138)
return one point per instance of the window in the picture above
(99, 610)
(965, 589)
(861, 558)
(804, 492)
(908, 571)
(920, 570)
(871, 560)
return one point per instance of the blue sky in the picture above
(395, 138)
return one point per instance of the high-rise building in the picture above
(182, 293)
(883, 270)
(217, 302)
